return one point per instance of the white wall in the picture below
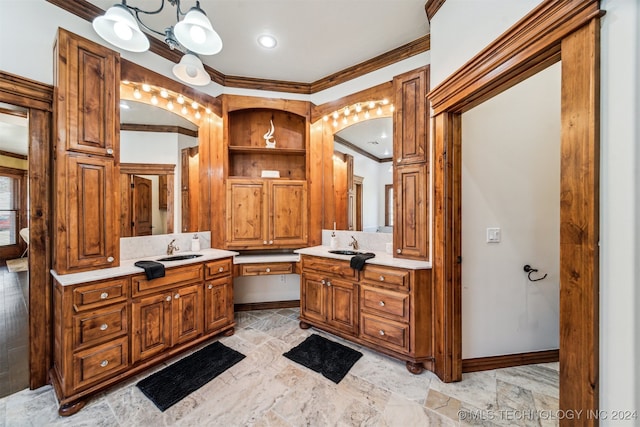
(620, 208)
(511, 180)
(453, 43)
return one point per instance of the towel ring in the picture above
(530, 270)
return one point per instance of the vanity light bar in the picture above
(356, 111)
(163, 98)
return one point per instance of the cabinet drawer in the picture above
(329, 265)
(385, 276)
(99, 294)
(384, 332)
(385, 303)
(98, 326)
(100, 362)
(217, 268)
(174, 277)
(266, 269)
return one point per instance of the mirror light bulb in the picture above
(358, 108)
(164, 93)
(154, 100)
(146, 87)
(198, 115)
(184, 110)
(137, 94)
(208, 110)
(170, 105)
(346, 111)
(372, 105)
(194, 105)
(379, 111)
(335, 115)
(367, 115)
(180, 99)
(335, 123)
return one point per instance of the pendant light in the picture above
(190, 70)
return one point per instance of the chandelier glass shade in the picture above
(194, 34)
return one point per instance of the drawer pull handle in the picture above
(104, 363)
(104, 295)
(221, 269)
(168, 298)
(110, 259)
(268, 270)
(381, 303)
(381, 278)
(176, 296)
(104, 327)
(381, 332)
(210, 286)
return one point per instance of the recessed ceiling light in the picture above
(267, 41)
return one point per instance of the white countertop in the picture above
(252, 259)
(381, 258)
(126, 267)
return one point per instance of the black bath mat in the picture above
(170, 385)
(333, 360)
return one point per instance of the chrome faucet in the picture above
(354, 243)
(171, 248)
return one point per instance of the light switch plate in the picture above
(493, 235)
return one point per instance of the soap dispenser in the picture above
(195, 243)
(334, 240)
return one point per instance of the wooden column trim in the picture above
(579, 220)
(431, 7)
(528, 47)
(25, 92)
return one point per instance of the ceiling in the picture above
(316, 38)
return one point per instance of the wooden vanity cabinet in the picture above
(266, 214)
(109, 330)
(86, 129)
(384, 308)
(411, 173)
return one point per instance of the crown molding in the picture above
(88, 12)
(432, 6)
(26, 92)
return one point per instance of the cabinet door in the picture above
(93, 229)
(313, 297)
(87, 80)
(186, 313)
(410, 130)
(151, 323)
(410, 226)
(218, 304)
(288, 213)
(342, 305)
(246, 214)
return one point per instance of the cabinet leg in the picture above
(71, 408)
(304, 325)
(229, 332)
(415, 368)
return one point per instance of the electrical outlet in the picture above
(493, 235)
(282, 278)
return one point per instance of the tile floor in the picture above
(267, 389)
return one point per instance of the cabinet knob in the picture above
(104, 363)
(110, 259)
(323, 282)
(109, 150)
(210, 286)
(268, 270)
(399, 251)
(264, 242)
(271, 242)
(104, 327)
(168, 298)
(221, 269)
(381, 278)
(176, 296)
(104, 295)
(328, 283)
(381, 332)
(381, 303)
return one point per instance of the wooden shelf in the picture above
(264, 150)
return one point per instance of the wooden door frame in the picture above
(556, 29)
(38, 99)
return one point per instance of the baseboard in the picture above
(267, 305)
(509, 360)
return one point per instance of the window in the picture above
(10, 208)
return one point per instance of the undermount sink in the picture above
(179, 257)
(345, 252)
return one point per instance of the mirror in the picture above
(159, 161)
(363, 176)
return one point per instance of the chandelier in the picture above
(193, 35)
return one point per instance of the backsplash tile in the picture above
(146, 246)
(366, 241)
